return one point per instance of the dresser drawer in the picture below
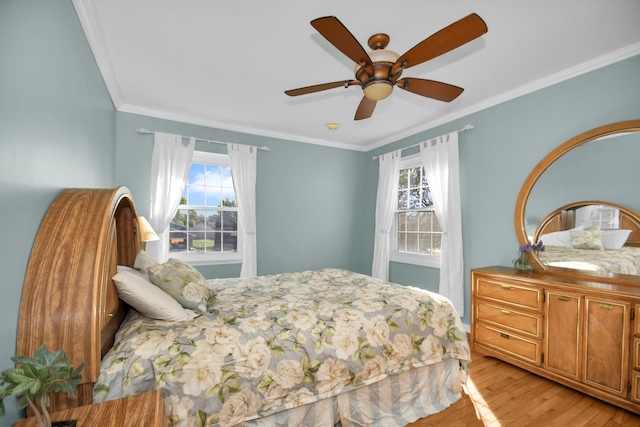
(505, 292)
(503, 318)
(512, 345)
(635, 387)
(636, 353)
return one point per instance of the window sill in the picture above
(196, 259)
(422, 260)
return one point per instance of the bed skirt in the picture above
(394, 401)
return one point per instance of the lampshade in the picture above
(378, 90)
(146, 231)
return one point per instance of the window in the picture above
(204, 229)
(605, 217)
(418, 236)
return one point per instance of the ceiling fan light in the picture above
(378, 90)
(383, 55)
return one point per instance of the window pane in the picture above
(425, 244)
(195, 195)
(229, 221)
(437, 243)
(402, 242)
(230, 242)
(178, 232)
(213, 176)
(414, 177)
(226, 180)
(424, 179)
(214, 222)
(196, 174)
(424, 221)
(412, 221)
(403, 199)
(228, 197)
(214, 196)
(202, 242)
(426, 197)
(436, 224)
(414, 198)
(404, 178)
(412, 242)
(216, 237)
(402, 221)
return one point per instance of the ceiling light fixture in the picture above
(332, 126)
(376, 81)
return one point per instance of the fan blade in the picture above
(318, 88)
(430, 88)
(338, 35)
(448, 38)
(365, 109)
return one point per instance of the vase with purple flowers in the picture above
(523, 263)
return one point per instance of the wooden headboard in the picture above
(69, 300)
(562, 219)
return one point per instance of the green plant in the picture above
(34, 378)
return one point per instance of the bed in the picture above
(602, 250)
(308, 348)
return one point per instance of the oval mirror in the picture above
(595, 168)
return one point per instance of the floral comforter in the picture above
(625, 260)
(271, 343)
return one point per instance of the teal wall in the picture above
(496, 157)
(56, 131)
(307, 195)
(315, 204)
(605, 170)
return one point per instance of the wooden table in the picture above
(142, 410)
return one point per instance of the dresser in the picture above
(578, 330)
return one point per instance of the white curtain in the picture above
(441, 163)
(385, 207)
(243, 169)
(169, 171)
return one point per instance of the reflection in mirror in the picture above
(597, 165)
(592, 236)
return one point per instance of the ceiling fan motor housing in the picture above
(376, 80)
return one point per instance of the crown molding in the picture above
(93, 33)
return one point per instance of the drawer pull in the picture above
(606, 306)
(505, 286)
(563, 298)
(504, 336)
(503, 311)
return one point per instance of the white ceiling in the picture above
(227, 64)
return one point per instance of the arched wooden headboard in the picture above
(69, 300)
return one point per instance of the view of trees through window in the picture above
(207, 219)
(418, 230)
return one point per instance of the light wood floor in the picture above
(500, 395)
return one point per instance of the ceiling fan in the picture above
(378, 71)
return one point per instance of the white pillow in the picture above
(558, 238)
(614, 239)
(121, 268)
(149, 299)
(143, 261)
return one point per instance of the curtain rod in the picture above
(210, 141)
(467, 127)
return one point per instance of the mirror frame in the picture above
(525, 191)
